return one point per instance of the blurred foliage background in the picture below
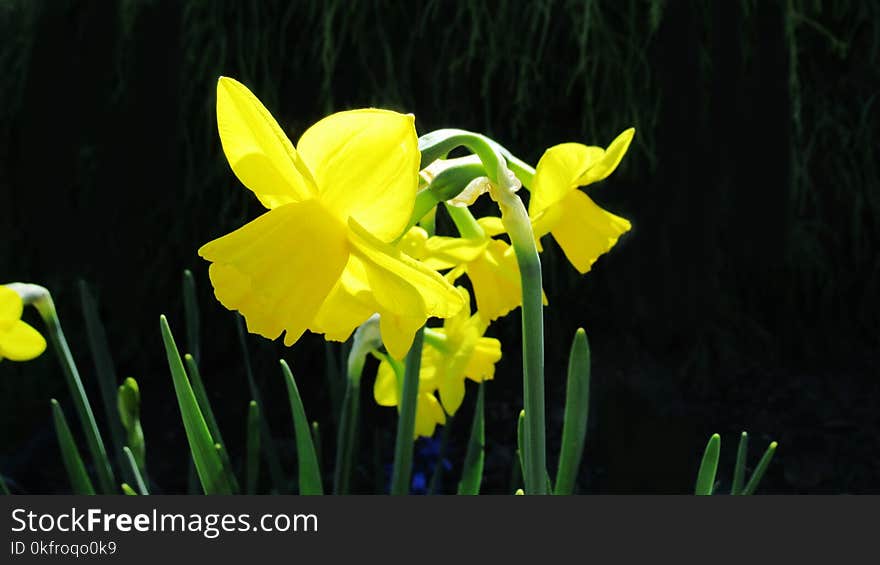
(745, 297)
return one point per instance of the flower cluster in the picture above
(343, 239)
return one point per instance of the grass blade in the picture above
(252, 464)
(76, 469)
(133, 466)
(104, 366)
(739, 470)
(472, 472)
(207, 461)
(191, 314)
(227, 467)
(309, 473)
(198, 386)
(127, 490)
(708, 467)
(756, 477)
(268, 441)
(577, 405)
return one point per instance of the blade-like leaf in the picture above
(472, 472)
(577, 404)
(191, 313)
(127, 490)
(76, 469)
(756, 477)
(207, 461)
(252, 466)
(133, 467)
(739, 469)
(198, 386)
(708, 467)
(309, 472)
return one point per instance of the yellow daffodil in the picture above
(321, 257)
(489, 263)
(18, 340)
(583, 230)
(453, 353)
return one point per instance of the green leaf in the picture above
(756, 477)
(191, 313)
(198, 386)
(128, 401)
(76, 469)
(252, 465)
(472, 472)
(708, 467)
(268, 442)
(401, 473)
(103, 360)
(207, 461)
(577, 405)
(133, 467)
(127, 490)
(739, 470)
(309, 472)
(227, 467)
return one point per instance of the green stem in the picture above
(40, 298)
(403, 447)
(519, 228)
(465, 222)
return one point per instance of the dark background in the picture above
(745, 297)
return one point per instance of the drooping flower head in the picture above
(452, 354)
(582, 229)
(320, 258)
(18, 340)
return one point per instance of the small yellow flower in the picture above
(18, 340)
(321, 257)
(583, 230)
(453, 353)
(489, 263)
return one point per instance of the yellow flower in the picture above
(489, 263)
(583, 229)
(320, 258)
(18, 341)
(453, 353)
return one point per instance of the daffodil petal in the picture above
(341, 313)
(366, 165)
(557, 173)
(20, 342)
(385, 386)
(278, 269)
(399, 283)
(398, 332)
(585, 231)
(258, 151)
(609, 161)
(446, 252)
(451, 390)
(481, 365)
(492, 225)
(495, 279)
(11, 306)
(429, 414)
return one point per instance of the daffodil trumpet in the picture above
(40, 298)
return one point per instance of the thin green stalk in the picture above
(191, 313)
(347, 435)
(739, 470)
(76, 469)
(756, 477)
(252, 466)
(42, 301)
(465, 222)
(316, 440)
(437, 475)
(406, 423)
(133, 467)
(198, 386)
